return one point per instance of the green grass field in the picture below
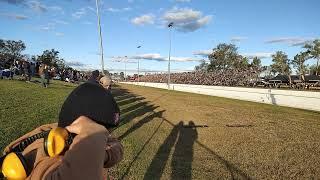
(176, 135)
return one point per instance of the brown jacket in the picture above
(85, 159)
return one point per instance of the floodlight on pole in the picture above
(170, 26)
(100, 36)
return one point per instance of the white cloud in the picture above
(184, 59)
(182, 15)
(143, 19)
(56, 8)
(14, 16)
(291, 41)
(186, 19)
(238, 38)
(119, 9)
(261, 55)
(78, 14)
(82, 12)
(149, 56)
(155, 57)
(203, 52)
(45, 28)
(37, 6)
(34, 5)
(127, 9)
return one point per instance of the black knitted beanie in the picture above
(91, 100)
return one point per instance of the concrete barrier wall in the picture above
(297, 99)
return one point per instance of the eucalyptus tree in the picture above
(313, 50)
(298, 62)
(281, 64)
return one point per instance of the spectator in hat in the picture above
(106, 82)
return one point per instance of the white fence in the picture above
(297, 99)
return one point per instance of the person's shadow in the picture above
(182, 138)
(182, 157)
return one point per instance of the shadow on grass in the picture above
(136, 107)
(159, 161)
(140, 111)
(130, 100)
(141, 123)
(144, 146)
(182, 157)
(234, 171)
(182, 138)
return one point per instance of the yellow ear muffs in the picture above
(14, 167)
(56, 141)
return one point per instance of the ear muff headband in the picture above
(14, 167)
(25, 143)
(56, 141)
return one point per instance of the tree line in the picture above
(226, 56)
(11, 51)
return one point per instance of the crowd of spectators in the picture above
(25, 70)
(231, 77)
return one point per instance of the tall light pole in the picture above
(100, 36)
(170, 26)
(125, 68)
(139, 65)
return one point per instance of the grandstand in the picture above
(235, 78)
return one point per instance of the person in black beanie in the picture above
(90, 100)
(94, 77)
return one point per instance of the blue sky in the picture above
(257, 27)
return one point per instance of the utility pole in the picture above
(100, 36)
(125, 68)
